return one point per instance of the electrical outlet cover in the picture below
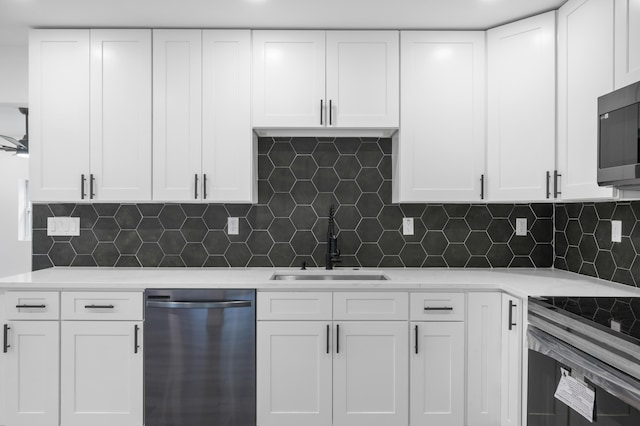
(233, 226)
(616, 231)
(63, 226)
(521, 226)
(407, 226)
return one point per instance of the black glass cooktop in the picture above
(604, 310)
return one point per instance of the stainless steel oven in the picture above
(563, 334)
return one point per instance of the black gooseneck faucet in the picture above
(333, 253)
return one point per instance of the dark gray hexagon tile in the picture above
(303, 167)
(281, 255)
(282, 205)
(521, 245)
(62, 254)
(172, 216)
(624, 213)
(435, 217)
(500, 230)
(194, 255)
(172, 242)
(215, 216)
(194, 210)
(478, 262)
(434, 262)
(390, 217)
(238, 210)
(542, 210)
(561, 217)
(413, 255)
(87, 215)
(588, 248)
(386, 192)
(282, 154)
(150, 255)
(127, 262)
(282, 179)
(150, 209)
(369, 179)
(391, 242)
(304, 192)
(40, 214)
(323, 203)
(216, 262)
(325, 154)
(369, 154)
(41, 242)
(605, 265)
(304, 217)
(435, 243)
(603, 235)
(456, 230)
(106, 209)
(588, 219)
(172, 262)
(478, 218)
(521, 262)
(369, 230)
(369, 205)
(40, 261)
(62, 209)
(264, 145)
(194, 230)
(574, 232)
(216, 242)
(259, 217)
(85, 243)
(573, 259)
(522, 211)
(385, 168)
(128, 242)
(499, 255)
(325, 179)
(348, 242)
(347, 167)
(347, 192)
(623, 276)
(260, 242)
(478, 243)
(265, 192)
(561, 244)
(304, 145)
(281, 230)
(605, 210)
(150, 229)
(303, 242)
(106, 254)
(238, 255)
(347, 145)
(259, 262)
(573, 210)
(456, 255)
(386, 145)
(369, 255)
(106, 229)
(542, 255)
(623, 253)
(84, 260)
(265, 167)
(391, 262)
(456, 210)
(500, 210)
(542, 230)
(349, 262)
(348, 217)
(128, 216)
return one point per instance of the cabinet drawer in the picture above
(102, 306)
(294, 306)
(437, 306)
(32, 305)
(370, 306)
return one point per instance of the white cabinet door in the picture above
(437, 373)
(370, 374)
(227, 150)
(32, 373)
(511, 387)
(363, 81)
(441, 153)
(484, 368)
(59, 114)
(521, 109)
(177, 114)
(294, 373)
(627, 39)
(585, 72)
(102, 376)
(121, 114)
(289, 79)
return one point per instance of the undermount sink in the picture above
(327, 277)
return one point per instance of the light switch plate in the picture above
(616, 231)
(615, 325)
(63, 226)
(407, 226)
(521, 226)
(233, 226)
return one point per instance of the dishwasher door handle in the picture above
(199, 305)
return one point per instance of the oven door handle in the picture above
(199, 305)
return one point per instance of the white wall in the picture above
(15, 255)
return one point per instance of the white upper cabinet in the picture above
(59, 113)
(202, 139)
(363, 78)
(441, 152)
(317, 79)
(227, 140)
(585, 72)
(288, 78)
(627, 39)
(521, 111)
(121, 114)
(177, 114)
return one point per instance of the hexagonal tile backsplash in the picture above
(298, 180)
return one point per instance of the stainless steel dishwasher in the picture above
(200, 358)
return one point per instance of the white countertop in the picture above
(519, 282)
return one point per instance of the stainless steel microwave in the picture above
(619, 138)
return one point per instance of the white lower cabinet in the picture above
(294, 365)
(101, 373)
(370, 374)
(31, 361)
(437, 374)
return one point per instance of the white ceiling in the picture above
(16, 16)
